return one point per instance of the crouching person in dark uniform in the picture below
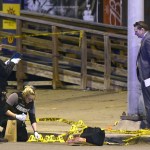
(17, 106)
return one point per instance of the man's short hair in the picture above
(141, 24)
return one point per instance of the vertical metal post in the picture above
(97, 3)
(135, 13)
(76, 8)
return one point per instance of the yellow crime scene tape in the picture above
(40, 34)
(136, 134)
(80, 37)
(76, 128)
(14, 36)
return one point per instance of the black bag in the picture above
(94, 135)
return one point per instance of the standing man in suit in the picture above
(143, 66)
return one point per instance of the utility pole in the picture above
(135, 13)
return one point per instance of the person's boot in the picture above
(132, 117)
(2, 139)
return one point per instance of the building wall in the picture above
(146, 12)
(124, 12)
(101, 12)
(112, 12)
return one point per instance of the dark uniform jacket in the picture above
(21, 107)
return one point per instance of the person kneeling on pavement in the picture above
(17, 106)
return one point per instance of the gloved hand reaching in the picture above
(21, 117)
(37, 136)
(7, 62)
(15, 60)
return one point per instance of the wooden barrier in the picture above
(11, 131)
(63, 53)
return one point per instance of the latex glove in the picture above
(7, 62)
(21, 117)
(15, 60)
(37, 136)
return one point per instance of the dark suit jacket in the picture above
(143, 59)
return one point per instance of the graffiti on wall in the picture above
(68, 8)
(42, 6)
(113, 12)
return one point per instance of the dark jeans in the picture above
(2, 100)
(22, 135)
(146, 95)
(2, 104)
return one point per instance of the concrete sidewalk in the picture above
(94, 108)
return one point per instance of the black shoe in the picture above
(132, 117)
(3, 140)
(144, 125)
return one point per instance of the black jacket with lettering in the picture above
(22, 107)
